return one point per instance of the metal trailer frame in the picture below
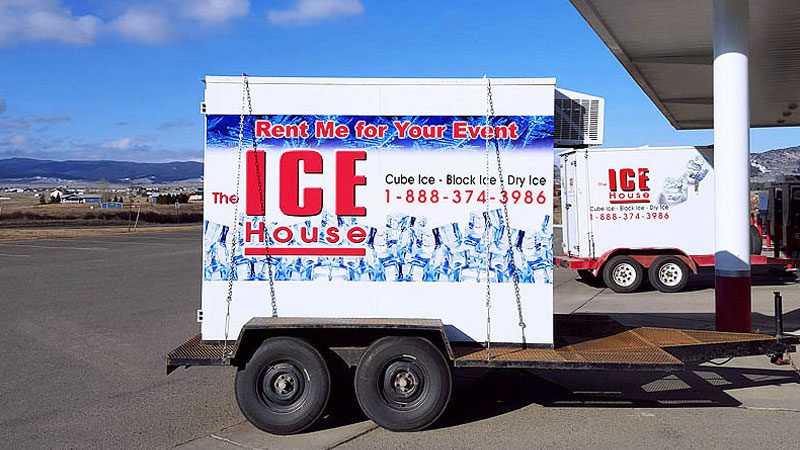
(583, 342)
(646, 256)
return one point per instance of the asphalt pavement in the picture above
(85, 324)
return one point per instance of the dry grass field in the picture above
(23, 217)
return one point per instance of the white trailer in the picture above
(398, 226)
(645, 212)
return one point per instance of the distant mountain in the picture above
(110, 171)
(773, 164)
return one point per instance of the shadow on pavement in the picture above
(496, 392)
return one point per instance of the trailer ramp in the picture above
(599, 343)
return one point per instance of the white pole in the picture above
(732, 164)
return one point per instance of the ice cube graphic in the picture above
(384, 259)
(418, 256)
(496, 219)
(450, 235)
(214, 232)
(537, 248)
(392, 268)
(374, 270)
(437, 268)
(319, 270)
(674, 190)
(405, 249)
(696, 169)
(457, 255)
(216, 258)
(338, 270)
(243, 269)
(476, 229)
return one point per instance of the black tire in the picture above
(589, 278)
(622, 274)
(756, 244)
(403, 383)
(285, 386)
(669, 274)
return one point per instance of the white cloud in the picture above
(147, 21)
(44, 20)
(141, 25)
(18, 140)
(307, 11)
(215, 12)
(127, 143)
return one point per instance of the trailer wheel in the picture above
(285, 386)
(669, 274)
(623, 274)
(403, 383)
(756, 244)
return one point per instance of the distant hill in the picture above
(773, 164)
(110, 171)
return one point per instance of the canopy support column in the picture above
(732, 165)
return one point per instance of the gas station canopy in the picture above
(666, 46)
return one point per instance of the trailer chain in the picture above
(514, 273)
(486, 224)
(233, 236)
(261, 194)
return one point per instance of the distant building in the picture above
(58, 193)
(195, 198)
(70, 198)
(80, 198)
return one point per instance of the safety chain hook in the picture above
(507, 223)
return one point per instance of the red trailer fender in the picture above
(644, 256)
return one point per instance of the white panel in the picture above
(380, 96)
(460, 304)
(665, 217)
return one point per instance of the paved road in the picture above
(85, 323)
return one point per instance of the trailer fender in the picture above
(645, 257)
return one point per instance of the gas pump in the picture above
(784, 216)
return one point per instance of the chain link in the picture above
(514, 273)
(247, 106)
(261, 194)
(233, 235)
(486, 239)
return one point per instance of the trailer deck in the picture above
(583, 342)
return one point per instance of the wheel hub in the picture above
(402, 383)
(282, 384)
(624, 274)
(670, 274)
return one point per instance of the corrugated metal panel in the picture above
(666, 46)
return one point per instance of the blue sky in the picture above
(120, 80)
